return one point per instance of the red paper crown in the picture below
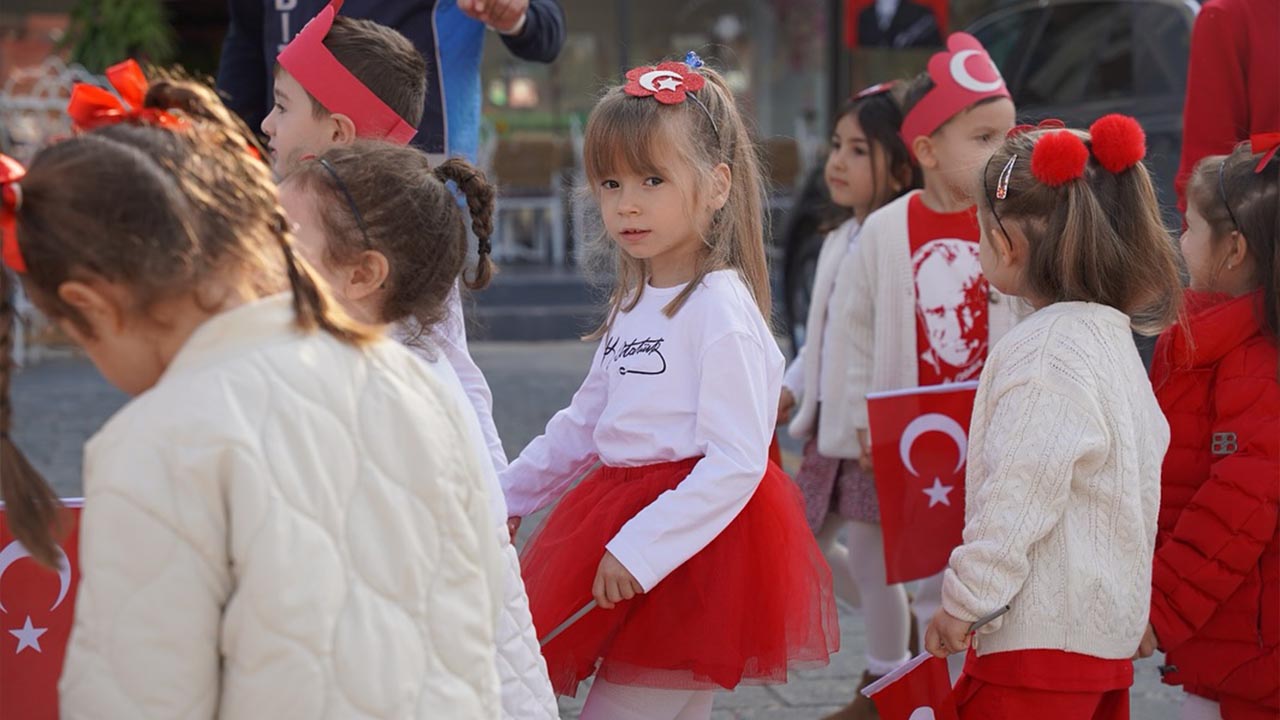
(962, 75)
(11, 171)
(330, 82)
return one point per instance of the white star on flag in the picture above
(28, 636)
(669, 83)
(939, 493)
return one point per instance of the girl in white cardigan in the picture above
(386, 233)
(1067, 439)
(868, 165)
(285, 520)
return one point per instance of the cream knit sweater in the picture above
(1063, 488)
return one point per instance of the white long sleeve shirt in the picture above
(452, 337)
(704, 383)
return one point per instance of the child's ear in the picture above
(367, 276)
(723, 182)
(923, 148)
(101, 312)
(344, 129)
(1238, 250)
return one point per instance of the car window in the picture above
(1085, 54)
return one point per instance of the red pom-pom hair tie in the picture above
(1058, 158)
(1118, 142)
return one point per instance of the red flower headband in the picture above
(671, 83)
(11, 171)
(92, 107)
(329, 81)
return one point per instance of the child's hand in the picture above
(1149, 644)
(947, 635)
(864, 445)
(786, 403)
(513, 525)
(614, 583)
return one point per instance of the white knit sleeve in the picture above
(1037, 438)
(856, 310)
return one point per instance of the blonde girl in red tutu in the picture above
(692, 545)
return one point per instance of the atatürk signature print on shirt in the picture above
(635, 357)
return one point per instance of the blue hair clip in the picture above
(692, 60)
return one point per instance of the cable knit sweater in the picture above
(1063, 488)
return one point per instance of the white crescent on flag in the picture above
(922, 713)
(14, 552)
(932, 422)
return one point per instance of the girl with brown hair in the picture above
(286, 502)
(1066, 436)
(692, 546)
(388, 236)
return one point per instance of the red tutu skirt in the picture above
(753, 604)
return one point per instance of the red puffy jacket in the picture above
(1215, 601)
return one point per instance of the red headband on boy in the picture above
(962, 75)
(319, 73)
(11, 171)
(92, 107)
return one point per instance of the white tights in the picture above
(607, 701)
(884, 606)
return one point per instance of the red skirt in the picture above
(751, 605)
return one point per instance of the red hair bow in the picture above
(669, 83)
(11, 171)
(92, 107)
(1266, 143)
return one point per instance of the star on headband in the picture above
(669, 83)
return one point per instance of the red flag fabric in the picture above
(919, 444)
(36, 612)
(919, 689)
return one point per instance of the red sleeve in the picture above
(1216, 114)
(1221, 534)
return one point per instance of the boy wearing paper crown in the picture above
(921, 312)
(342, 79)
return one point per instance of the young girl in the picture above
(692, 545)
(1066, 439)
(868, 166)
(284, 520)
(1215, 603)
(386, 233)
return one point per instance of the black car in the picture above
(1075, 60)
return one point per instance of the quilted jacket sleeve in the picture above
(155, 577)
(1221, 534)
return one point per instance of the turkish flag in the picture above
(36, 612)
(919, 689)
(919, 442)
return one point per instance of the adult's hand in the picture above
(505, 16)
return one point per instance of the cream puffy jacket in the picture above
(285, 526)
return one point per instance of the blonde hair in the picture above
(1098, 238)
(632, 132)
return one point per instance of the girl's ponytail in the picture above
(31, 506)
(480, 195)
